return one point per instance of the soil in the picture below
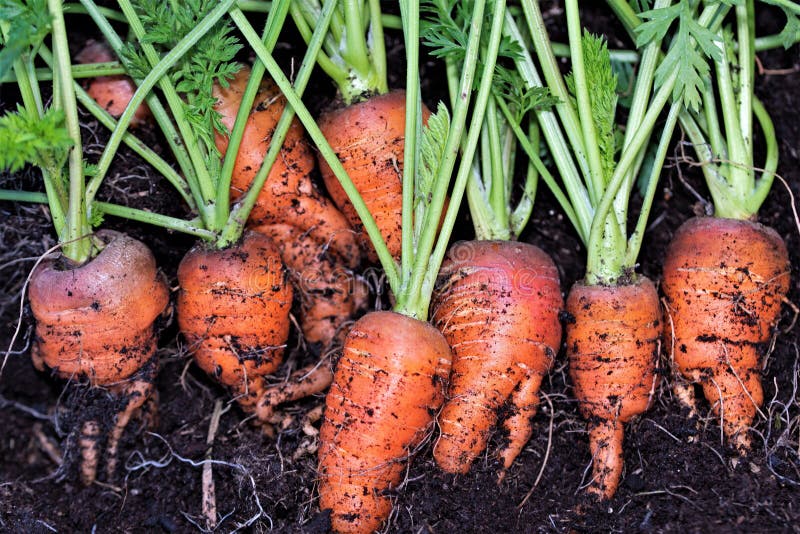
(679, 476)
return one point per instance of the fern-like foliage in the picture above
(28, 23)
(27, 138)
(209, 62)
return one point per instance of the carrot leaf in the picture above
(25, 138)
(431, 150)
(28, 24)
(602, 84)
(691, 46)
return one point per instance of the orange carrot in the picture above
(113, 93)
(233, 309)
(612, 344)
(330, 294)
(497, 304)
(289, 196)
(96, 322)
(389, 382)
(368, 138)
(724, 281)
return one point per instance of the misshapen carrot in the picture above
(233, 309)
(389, 383)
(368, 137)
(288, 196)
(497, 304)
(724, 280)
(330, 294)
(96, 322)
(613, 342)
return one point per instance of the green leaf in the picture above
(520, 98)
(689, 50)
(25, 138)
(431, 150)
(602, 84)
(28, 24)
(791, 31)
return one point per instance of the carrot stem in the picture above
(77, 246)
(413, 127)
(465, 168)
(160, 115)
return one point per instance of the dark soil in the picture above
(679, 476)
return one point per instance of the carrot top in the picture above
(354, 52)
(724, 143)
(598, 168)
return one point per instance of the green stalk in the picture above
(202, 180)
(133, 214)
(763, 185)
(497, 195)
(77, 245)
(162, 118)
(240, 213)
(385, 257)
(522, 214)
(334, 72)
(423, 295)
(413, 128)
(232, 227)
(355, 51)
(579, 207)
(746, 31)
(555, 82)
(92, 70)
(586, 121)
(411, 301)
(159, 70)
(56, 193)
(740, 178)
(128, 138)
(378, 54)
(635, 241)
(599, 261)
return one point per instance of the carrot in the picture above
(614, 327)
(330, 294)
(613, 342)
(724, 281)
(388, 382)
(113, 93)
(233, 309)
(368, 138)
(95, 322)
(497, 305)
(289, 196)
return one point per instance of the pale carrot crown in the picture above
(354, 52)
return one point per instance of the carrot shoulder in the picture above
(724, 281)
(613, 342)
(497, 304)
(389, 383)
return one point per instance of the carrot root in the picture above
(368, 138)
(233, 309)
(724, 281)
(389, 383)
(497, 304)
(613, 342)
